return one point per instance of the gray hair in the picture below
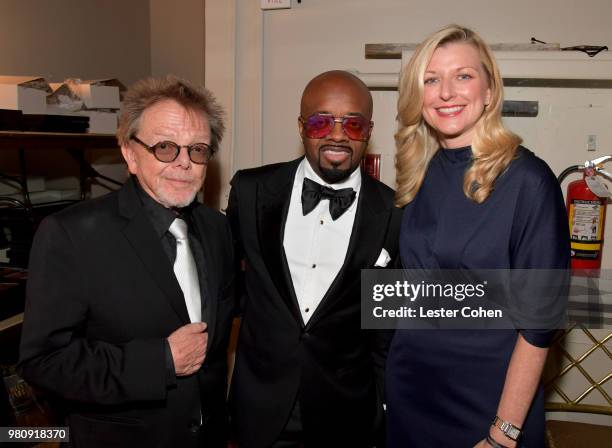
(149, 91)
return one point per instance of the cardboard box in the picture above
(99, 93)
(63, 100)
(25, 93)
(100, 122)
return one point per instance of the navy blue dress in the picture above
(444, 386)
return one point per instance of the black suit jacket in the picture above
(101, 300)
(330, 364)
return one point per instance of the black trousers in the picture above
(292, 435)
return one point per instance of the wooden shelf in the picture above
(11, 322)
(394, 51)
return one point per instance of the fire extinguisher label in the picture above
(585, 218)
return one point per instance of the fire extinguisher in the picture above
(586, 209)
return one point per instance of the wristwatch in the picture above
(509, 430)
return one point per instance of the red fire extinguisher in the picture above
(587, 213)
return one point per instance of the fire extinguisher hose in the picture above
(566, 172)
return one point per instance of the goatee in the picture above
(334, 175)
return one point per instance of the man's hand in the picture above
(188, 347)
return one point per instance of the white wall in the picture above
(319, 35)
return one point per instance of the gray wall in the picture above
(177, 38)
(75, 38)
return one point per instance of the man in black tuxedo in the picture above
(306, 374)
(129, 296)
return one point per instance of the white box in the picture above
(99, 93)
(62, 99)
(100, 122)
(25, 93)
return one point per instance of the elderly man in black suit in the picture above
(129, 297)
(306, 374)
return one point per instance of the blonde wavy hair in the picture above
(493, 146)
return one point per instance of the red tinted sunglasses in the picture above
(320, 125)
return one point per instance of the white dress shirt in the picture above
(315, 245)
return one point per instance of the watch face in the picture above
(511, 431)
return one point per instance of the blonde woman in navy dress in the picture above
(473, 198)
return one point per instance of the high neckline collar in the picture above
(455, 155)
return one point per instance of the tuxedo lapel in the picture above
(209, 271)
(365, 243)
(139, 232)
(273, 196)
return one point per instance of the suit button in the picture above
(304, 335)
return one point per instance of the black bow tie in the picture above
(339, 200)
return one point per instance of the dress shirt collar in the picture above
(161, 217)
